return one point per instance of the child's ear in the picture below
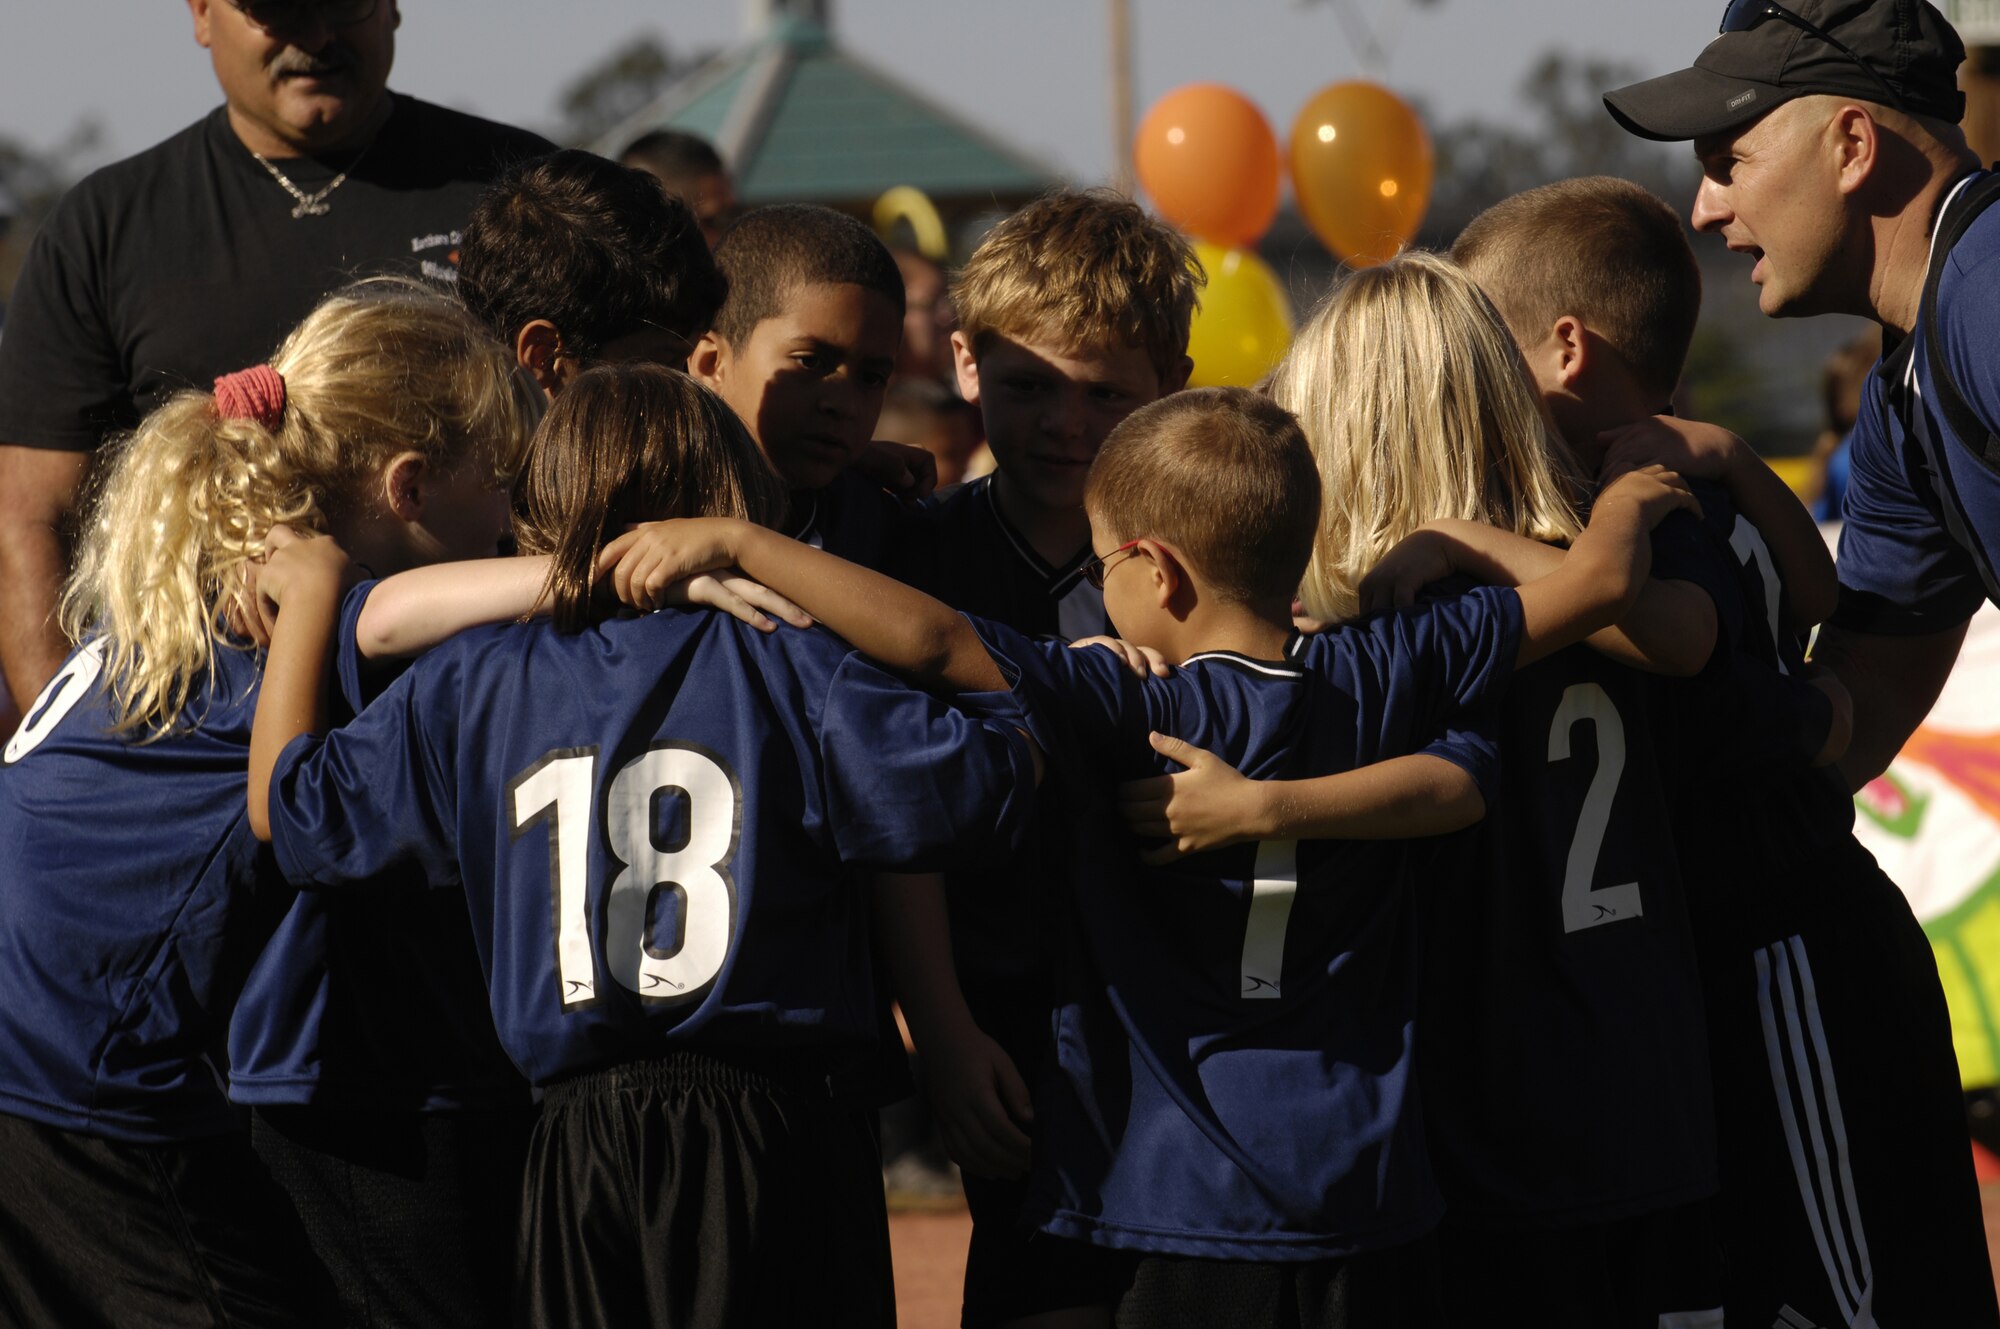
(1169, 576)
(538, 349)
(708, 360)
(1177, 380)
(965, 367)
(1570, 347)
(403, 483)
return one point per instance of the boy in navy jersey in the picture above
(649, 818)
(802, 350)
(1847, 1191)
(1073, 313)
(573, 260)
(1234, 1107)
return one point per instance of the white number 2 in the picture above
(557, 789)
(1274, 885)
(1583, 907)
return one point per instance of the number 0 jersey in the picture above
(133, 901)
(650, 821)
(1236, 1038)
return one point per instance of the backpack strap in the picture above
(1971, 432)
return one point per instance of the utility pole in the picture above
(1122, 127)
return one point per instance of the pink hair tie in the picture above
(256, 393)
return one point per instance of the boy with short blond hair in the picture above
(1846, 1186)
(1234, 1111)
(1073, 313)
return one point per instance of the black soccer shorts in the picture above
(699, 1194)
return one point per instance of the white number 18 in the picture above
(557, 790)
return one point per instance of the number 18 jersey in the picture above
(650, 820)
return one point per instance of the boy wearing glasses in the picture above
(1231, 1121)
(1072, 314)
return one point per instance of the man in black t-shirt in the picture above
(197, 256)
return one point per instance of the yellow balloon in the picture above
(1244, 324)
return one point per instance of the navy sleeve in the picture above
(375, 794)
(361, 680)
(1685, 550)
(1076, 701)
(917, 785)
(1901, 573)
(1447, 655)
(1472, 744)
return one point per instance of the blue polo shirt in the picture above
(1922, 533)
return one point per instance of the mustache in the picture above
(292, 60)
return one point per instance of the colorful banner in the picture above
(1933, 822)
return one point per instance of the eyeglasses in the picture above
(1097, 566)
(1743, 15)
(290, 15)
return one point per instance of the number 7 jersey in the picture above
(1238, 1029)
(651, 821)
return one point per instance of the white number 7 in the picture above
(1274, 885)
(1583, 907)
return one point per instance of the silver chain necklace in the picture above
(314, 204)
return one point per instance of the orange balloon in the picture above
(1208, 158)
(1361, 167)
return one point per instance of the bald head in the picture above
(1832, 200)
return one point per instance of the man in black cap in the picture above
(1828, 136)
(1827, 132)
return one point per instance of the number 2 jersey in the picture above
(1237, 1034)
(1564, 1054)
(651, 820)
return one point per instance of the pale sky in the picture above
(1031, 71)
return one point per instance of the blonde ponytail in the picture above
(379, 368)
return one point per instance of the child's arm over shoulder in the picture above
(1709, 452)
(919, 637)
(1670, 629)
(1211, 805)
(410, 612)
(1602, 575)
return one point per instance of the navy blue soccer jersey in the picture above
(133, 902)
(374, 998)
(1237, 1033)
(650, 820)
(1921, 539)
(1565, 1058)
(974, 560)
(967, 554)
(856, 519)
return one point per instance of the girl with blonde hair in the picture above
(1418, 407)
(1564, 1062)
(136, 900)
(655, 821)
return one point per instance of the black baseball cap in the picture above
(1901, 53)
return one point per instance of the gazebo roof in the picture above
(799, 119)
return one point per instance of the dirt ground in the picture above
(929, 1251)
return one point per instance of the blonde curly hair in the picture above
(1418, 407)
(181, 505)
